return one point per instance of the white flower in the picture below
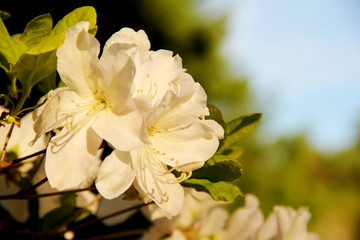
(180, 139)
(247, 223)
(19, 145)
(94, 106)
(200, 218)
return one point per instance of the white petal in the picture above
(245, 221)
(116, 175)
(156, 183)
(54, 113)
(183, 111)
(189, 145)
(116, 72)
(124, 132)
(130, 42)
(77, 59)
(157, 75)
(71, 158)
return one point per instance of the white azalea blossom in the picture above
(179, 138)
(19, 145)
(94, 106)
(203, 218)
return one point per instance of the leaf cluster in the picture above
(30, 57)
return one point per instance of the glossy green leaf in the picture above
(219, 191)
(31, 69)
(219, 168)
(86, 13)
(216, 115)
(238, 128)
(57, 35)
(8, 55)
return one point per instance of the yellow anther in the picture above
(147, 75)
(169, 83)
(176, 84)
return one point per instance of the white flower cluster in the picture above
(203, 218)
(141, 102)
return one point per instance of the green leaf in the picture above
(239, 128)
(48, 83)
(8, 55)
(216, 115)
(219, 168)
(219, 191)
(31, 69)
(86, 13)
(4, 15)
(57, 35)
(37, 29)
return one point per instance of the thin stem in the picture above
(120, 234)
(32, 175)
(33, 196)
(29, 156)
(38, 184)
(107, 216)
(3, 153)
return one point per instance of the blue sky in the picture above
(303, 60)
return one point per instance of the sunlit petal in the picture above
(116, 174)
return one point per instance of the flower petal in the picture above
(130, 42)
(117, 72)
(71, 158)
(183, 111)
(124, 132)
(157, 75)
(54, 113)
(155, 182)
(116, 175)
(196, 143)
(77, 59)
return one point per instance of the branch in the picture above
(3, 153)
(33, 196)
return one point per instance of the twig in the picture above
(41, 182)
(3, 153)
(107, 216)
(119, 234)
(33, 196)
(29, 156)
(28, 181)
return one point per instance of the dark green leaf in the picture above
(48, 83)
(216, 115)
(219, 191)
(239, 128)
(219, 168)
